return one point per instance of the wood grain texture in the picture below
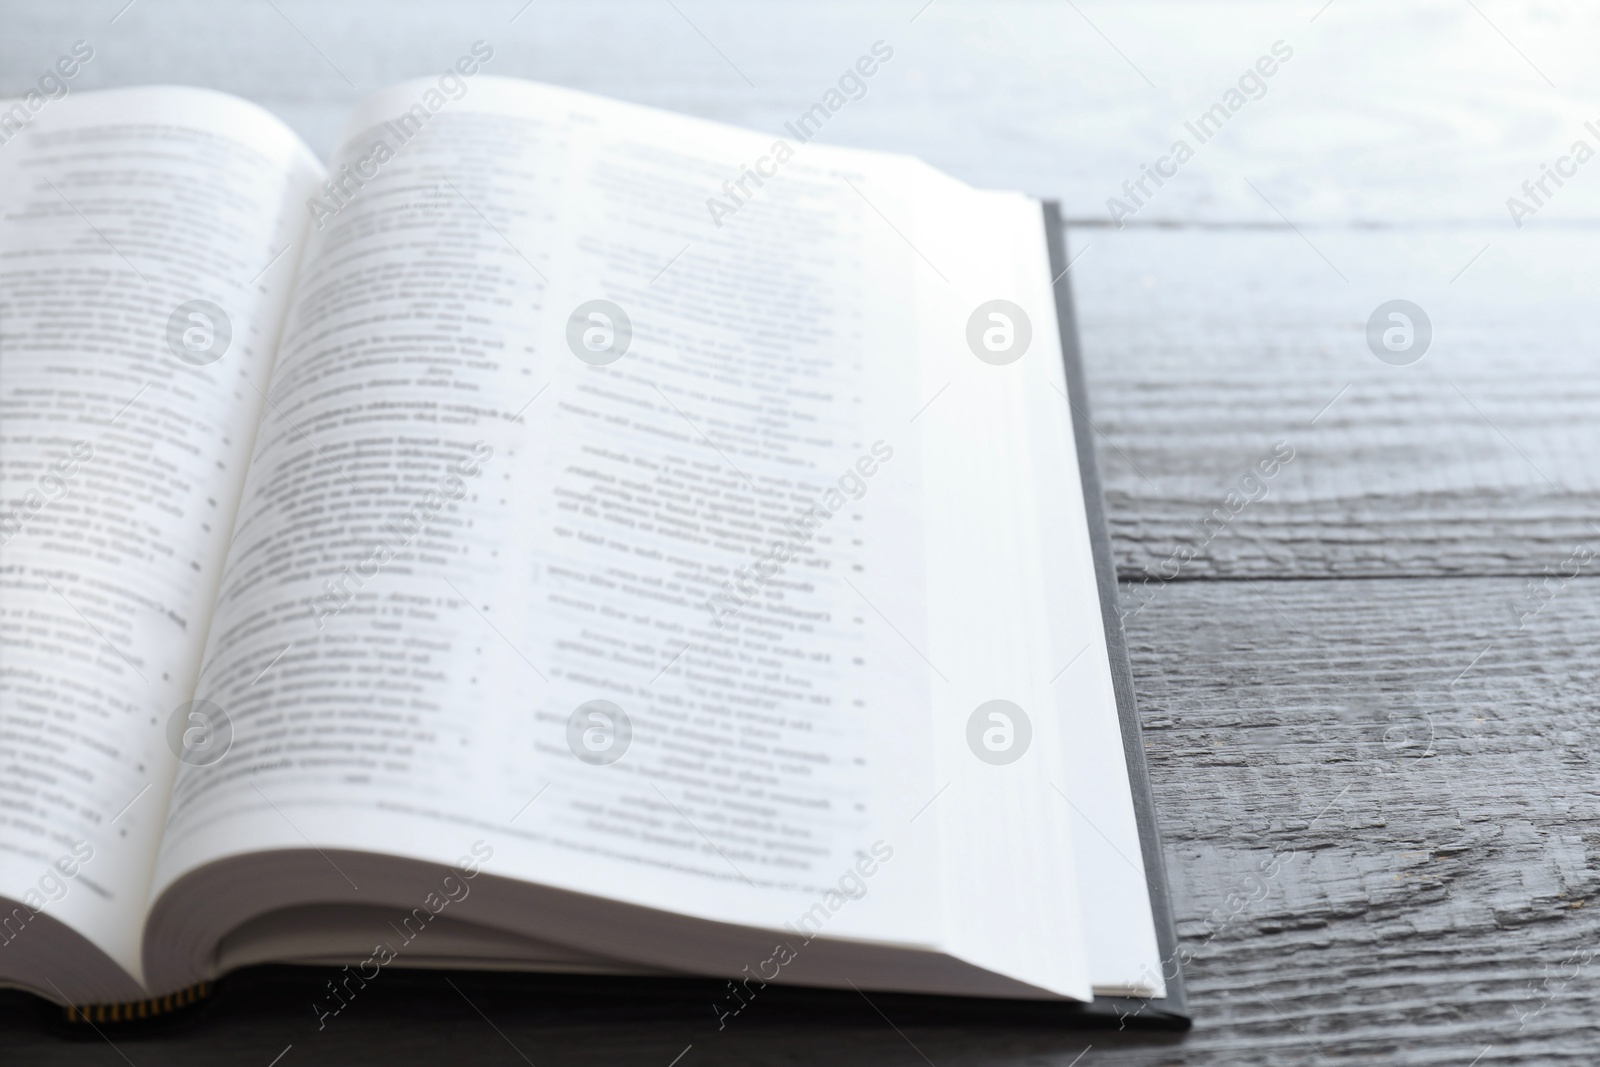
(1424, 770)
(1378, 796)
(1204, 347)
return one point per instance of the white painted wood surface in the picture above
(1433, 903)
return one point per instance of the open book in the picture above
(555, 535)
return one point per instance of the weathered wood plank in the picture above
(1205, 347)
(1435, 825)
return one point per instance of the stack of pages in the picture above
(552, 535)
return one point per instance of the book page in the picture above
(439, 558)
(145, 257)
(594, 529)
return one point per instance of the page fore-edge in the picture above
(1171, 1011)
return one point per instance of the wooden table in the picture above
(1375, 673)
